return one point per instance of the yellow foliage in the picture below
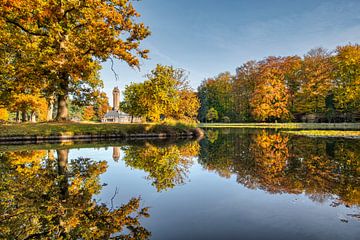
(4, 114)
(31, 103)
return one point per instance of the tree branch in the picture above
(24, 29)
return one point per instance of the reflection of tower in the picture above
(116, 98)
(116, 153)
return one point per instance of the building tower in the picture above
(116, 153)
(116, 99)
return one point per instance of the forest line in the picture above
(321, 86)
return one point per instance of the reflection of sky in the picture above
(207, 37)
(211, 207)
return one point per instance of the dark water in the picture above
(235, 184)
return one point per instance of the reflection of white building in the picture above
(115, 115)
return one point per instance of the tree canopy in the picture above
(164, 94)
(59, 44)
(320, 86)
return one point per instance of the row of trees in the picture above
(165, 94)
(322, 85)
(50, 50)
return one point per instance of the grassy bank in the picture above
(300, 126)
(325, 133)
(76, 129)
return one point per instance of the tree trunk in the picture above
(62, 171)
(33, 117)
(17, 118)
(23, 116)
(62, 111)
(50, 110)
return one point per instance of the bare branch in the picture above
(113, 70)
(113, 197)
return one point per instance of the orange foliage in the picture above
(89, 113)
(271, 96)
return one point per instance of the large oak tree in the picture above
(67, 40)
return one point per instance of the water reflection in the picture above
(43, 197)
(44, 194)
(167, 166)
(323, 169)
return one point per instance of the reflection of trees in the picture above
(47, 198)
(223, 155)
(321, 168)
(166, 166)
(270, 154)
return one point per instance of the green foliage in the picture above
(217, 93)
(133, 97)
(212, 115)
(165, 94)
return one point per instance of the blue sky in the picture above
(207, 37)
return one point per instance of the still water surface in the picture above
(234, 184)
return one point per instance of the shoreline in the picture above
(63, 132)
(296, 126)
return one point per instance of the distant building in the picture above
(115, 115)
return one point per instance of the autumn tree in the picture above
(315, 82)
(165, 94)
(272, 95)
(88, 113)
(4, 114)
(69, 39)
(244, 86)
(188, 106)
(162, 91)
(30, 106)
(101, 104)
(347, 78)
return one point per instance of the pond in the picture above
(233, 184)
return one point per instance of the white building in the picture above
(115, 115)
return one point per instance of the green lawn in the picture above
(314, 126)
(71, 129)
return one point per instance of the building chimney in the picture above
(116, 99)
